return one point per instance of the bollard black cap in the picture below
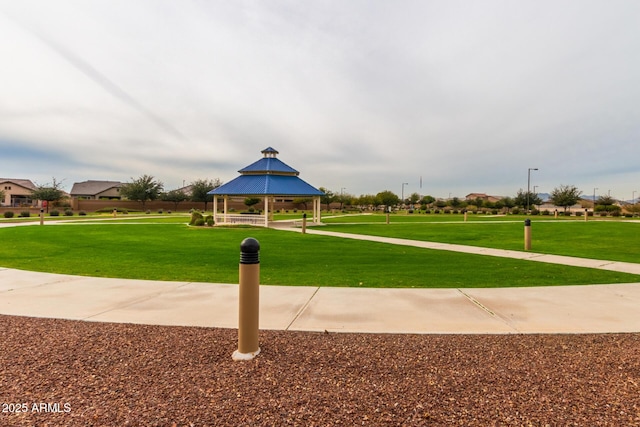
(304, 215)
(250, 251)
(527, 222)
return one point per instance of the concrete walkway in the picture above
(568, 309)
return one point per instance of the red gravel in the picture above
(101, 374)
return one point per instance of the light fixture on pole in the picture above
(403, 184)
(594, 200)
(529, 185)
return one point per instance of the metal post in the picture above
(249, 300)
(41, 216)
(527, 234)
(304, 223)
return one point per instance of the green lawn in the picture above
(167, 250)
(609, 240)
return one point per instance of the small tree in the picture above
(328, 197)
(565, 196)
(524, 199)
(48, 193)
(250, 201)
(302, 201)
(175, 196)
(387, 198)
(142, 189)
(426, 201)
(201, 187)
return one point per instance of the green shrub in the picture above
(8, 214)
(209, 220)
(54, 213)
(68, 212)
(199, 222)
(148, 211)
(159, 211)
(82, 213)
(515, 211)
(25, 214)
(195, 216)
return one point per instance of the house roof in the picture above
(26, 183)
(267, 176)
(92, 188)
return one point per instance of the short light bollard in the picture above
(115, 212)
(41, 216)
(465, 216)
(586, 215)
(304, 223)
(249, 300)
(555, 215)
(527, 234)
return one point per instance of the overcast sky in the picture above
(463, 96)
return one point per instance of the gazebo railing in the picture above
(239, 219)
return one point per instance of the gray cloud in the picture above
(362, 95)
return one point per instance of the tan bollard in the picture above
(249, 300)
(586, 215)
(555, 215)
(527, 234)
(465, 216)
(304, 223)
(41, 216)
(115, 212)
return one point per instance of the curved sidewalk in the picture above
(570, 309)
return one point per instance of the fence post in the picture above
(527, 234)
(249, 300)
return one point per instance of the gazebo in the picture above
(266, 178)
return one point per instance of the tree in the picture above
(426, 201)
(250, 201)
(366, 200)
(455, 202)
(328, 197)
(524, 199)
(175, 196)
(387, 198)
(414, 198)
(48, 193)
(565, 196)
(142, 189)
(302, 201)
(606, 204)
(200, 188)
(508, 203)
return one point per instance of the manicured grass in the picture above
(608, 240)
(172, 251)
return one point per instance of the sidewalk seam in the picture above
(302, 309)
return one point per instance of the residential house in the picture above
(95, 190)
(17, 192)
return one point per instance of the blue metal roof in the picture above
(271, 185)
(269, 165)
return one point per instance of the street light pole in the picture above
(529, 185)
(403, 184)
(594, 201)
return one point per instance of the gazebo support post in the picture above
(224, 217)
(266, 211)
(215, 209)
